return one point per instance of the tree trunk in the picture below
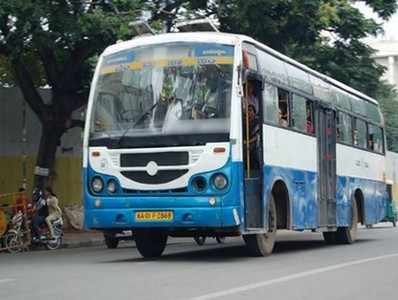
(49, 141)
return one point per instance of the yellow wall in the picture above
(67, 183)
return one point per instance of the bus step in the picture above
(252, 230)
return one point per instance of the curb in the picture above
(82, 244)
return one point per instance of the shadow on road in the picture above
(231, 252)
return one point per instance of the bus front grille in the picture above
(160, 158)
(162, 176)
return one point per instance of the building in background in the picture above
(387, 56)
(20, 132)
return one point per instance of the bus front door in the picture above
(326, 166)
(253, 155)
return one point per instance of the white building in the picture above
(387, 56)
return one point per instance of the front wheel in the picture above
(263, 244)
(150, 244)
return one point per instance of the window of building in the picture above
(360, 134)
(270, 98)
(344, 128)
(283, 106)
(375, 138)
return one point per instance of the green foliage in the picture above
(388, 99)
(325, 35)
(54, 34)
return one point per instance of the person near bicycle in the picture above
(54, 211)
(40, 213)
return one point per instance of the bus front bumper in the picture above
(200, 218)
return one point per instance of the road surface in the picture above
(302, 267)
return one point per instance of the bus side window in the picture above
(270, 103)
(299, 113)
(344, 128)
(283, 105)
(359, 133)
(310, 126)
(375, 138)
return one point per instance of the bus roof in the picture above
(228, 39)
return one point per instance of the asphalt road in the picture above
(302, 267)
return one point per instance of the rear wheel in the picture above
(200, 239)
(348, 235)
(263, 244)
(150, 244)
(54, 244)
(13, 242)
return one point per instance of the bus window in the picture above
(359, 134)
(344, 128)
(270, 105)
(375, 139)
(283, 105)
(310, 128)
(299, 113)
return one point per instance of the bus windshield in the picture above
(165, 90)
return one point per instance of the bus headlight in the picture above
(199, 183)
(111, 186)
(97, 184)
(220, 181)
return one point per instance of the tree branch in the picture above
(77, 57)
(28, 89)
(49, 63)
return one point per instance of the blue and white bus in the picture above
(216, 134)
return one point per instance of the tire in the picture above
(220, 239)
(150, 244)
(200, 239)
(348, 235)
(329, 237)
(263, 244)
(54, 245)
(111, 241)
(13, 242)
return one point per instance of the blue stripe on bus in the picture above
(302, 188)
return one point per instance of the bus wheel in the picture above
(348, 235)
(111, 241)
(329, 237)
(150, 244)
(263, 244)
(200, 239)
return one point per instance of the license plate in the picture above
(148, 216)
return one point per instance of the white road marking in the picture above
(260, 284)
(5, 280)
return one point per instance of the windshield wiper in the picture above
(140, 119)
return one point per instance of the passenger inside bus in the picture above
(310, 118)
(282, 103)
(254, 132)
(254, 126)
